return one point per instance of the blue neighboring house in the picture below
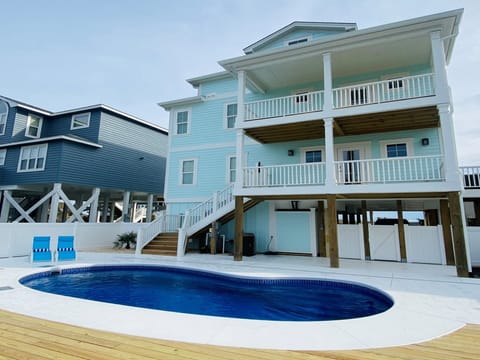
(95, 164)
(296, 143)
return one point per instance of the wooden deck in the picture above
(23, 337)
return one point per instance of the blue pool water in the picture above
(204, 293)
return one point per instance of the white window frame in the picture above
(189, 121)
(408, 141)
(312, 148)
(4, 117)
(39, 129)
(81, 126)
(392, 78)
(3, 156)
(225, 116)
(229, 170)
(194, 179)
(302, 95)
(29, 148)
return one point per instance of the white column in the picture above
(106, 200)
(94, 206)
(327, 82)
(329, 154)
(125, 208)
(149, 207)
(240, 132)
(54, 203)
(449, 146)
(5, 207)
(439, 67)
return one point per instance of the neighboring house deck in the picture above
(93, 164)
(322, 125)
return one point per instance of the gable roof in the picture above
(300, 25)
(16, 103)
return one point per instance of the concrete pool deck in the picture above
(430, 301)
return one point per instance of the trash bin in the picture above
(248, 244)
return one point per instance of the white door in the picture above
(350, 170)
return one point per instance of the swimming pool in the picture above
(207, 293)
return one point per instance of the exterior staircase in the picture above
(162, 244)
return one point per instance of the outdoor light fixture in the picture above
(291, 152)
(425, 141)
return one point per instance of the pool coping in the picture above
(418, 315)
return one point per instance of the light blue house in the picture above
(318, 125)
(88, 164)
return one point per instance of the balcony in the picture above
(372, 171)
(398, 89)
(471, 177)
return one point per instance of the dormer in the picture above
(297, 33)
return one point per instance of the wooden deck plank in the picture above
(23, 337)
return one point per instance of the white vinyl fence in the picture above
(474, 243)
(16, 239)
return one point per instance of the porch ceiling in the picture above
(409, 119)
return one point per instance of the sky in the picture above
(132, 54)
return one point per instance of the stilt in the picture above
(447, 232)
(126, 207)
(238, 242)
(458, 234)
(322, 249)
(366, 236)
(331, 230)
(213, 239)
(401, 232)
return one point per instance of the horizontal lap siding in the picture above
(280, 42)
(60, 125)
(218, 86)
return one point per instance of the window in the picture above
(313, 156)
(231, 169)
(187, 176)
(358, 96)
(80, 121)
(32, 158)
(3, 155)
(34, 126)
(3, 116)
(181, 122)
(231, 115)
(396, 150)
(395, 84)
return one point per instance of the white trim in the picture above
(175, 121)
(28, 126)
(225, 116)
(407, 141)
(180, 172)
(52, 138)
(3, 156)
(24, 148)
(4, 115)
(365, 146)
(81, 126)
(228, 169)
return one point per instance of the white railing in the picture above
(284, 175)
(471, 177)
(284, 106)
(384, 91)
(164, 223)
(401, 169)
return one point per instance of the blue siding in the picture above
(218, 86)
(60, 125)
(6, 137)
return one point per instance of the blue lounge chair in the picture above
(41, 249)
(65, 248)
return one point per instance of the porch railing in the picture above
(284, 106)
(471, 177)
(384, 91)
(402, 169)
(284, 175)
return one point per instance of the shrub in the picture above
(125, 239)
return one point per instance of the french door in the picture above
(349, 170)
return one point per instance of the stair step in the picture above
(163, 244)
(159, 252)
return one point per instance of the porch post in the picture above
(447, 232)
(327, 82)
(5, 207)
(149, 207)
(54, 203)
(322, 252)
(240, 132)
(459, 243)
(439, 67)
(401, 232)
(329, 154)
(449, 146)
(125, 207)
(92, 217)
(106, 200)
(238, 241)
(366, 235)
(331, 230)
(44, 212)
